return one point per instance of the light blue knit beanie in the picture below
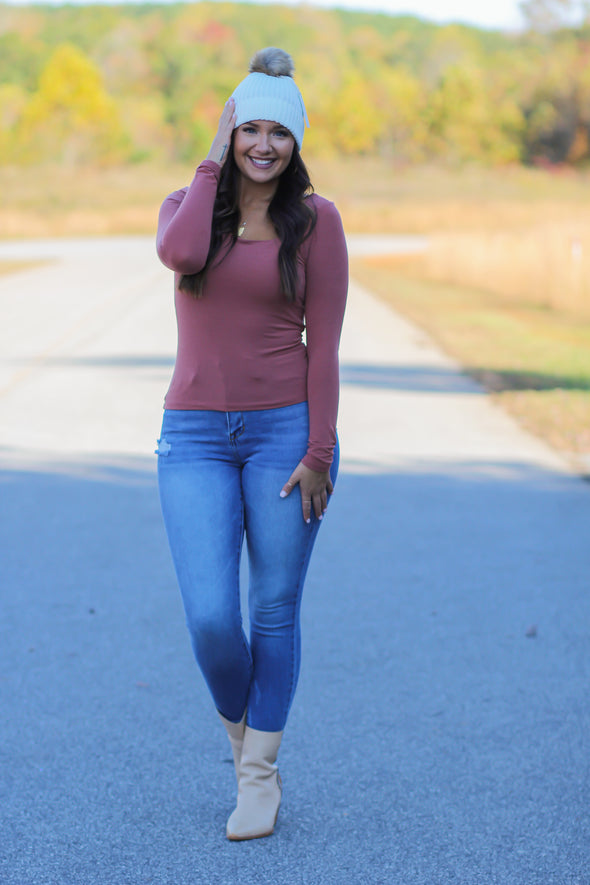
(269, 92)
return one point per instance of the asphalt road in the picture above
(441, 730)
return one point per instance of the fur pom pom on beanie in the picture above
(269, 92)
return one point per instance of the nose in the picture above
(263, 143)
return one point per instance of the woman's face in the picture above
(262, 150)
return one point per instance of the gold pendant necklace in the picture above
(241, 229)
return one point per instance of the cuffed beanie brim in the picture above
(263, 97)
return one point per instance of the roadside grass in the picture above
(373, 196)
(376, 196)
(545, 264)
(534, 361)
(55, 201)
(8, 267)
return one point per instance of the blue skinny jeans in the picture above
(220, 475)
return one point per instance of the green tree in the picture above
(372, 82)
(13, 100)
(20, 59)
(403, 103)
(554, 97)
(468, 122)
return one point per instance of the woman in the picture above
(250, 415)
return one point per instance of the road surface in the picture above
(441, 730)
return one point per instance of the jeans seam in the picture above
(304, 564)
(245, 643)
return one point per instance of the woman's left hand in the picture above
(314, 487)
(219, 150)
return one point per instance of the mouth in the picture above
(260, 163)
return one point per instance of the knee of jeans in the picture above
(211, 628)
(270, 617)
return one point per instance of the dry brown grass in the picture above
(8, 267)
(57, 201)
(372, 195)
(546, 265)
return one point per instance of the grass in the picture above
(535, 361)
(59, 201)
(547, 264)
(373, 196)
(8, 267)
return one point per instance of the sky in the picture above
(485, 13)
(500, 14)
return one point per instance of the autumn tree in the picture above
(466, 123)
(148, 81)
(13, 100)
(403, 102)
(71, 118)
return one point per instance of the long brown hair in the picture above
(292, 215)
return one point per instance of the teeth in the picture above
(261, 162)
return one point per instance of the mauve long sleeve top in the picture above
(240, 345)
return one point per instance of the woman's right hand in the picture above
(221, 143)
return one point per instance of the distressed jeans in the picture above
(220, 475)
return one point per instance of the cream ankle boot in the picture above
(259, 787)
(235, 733)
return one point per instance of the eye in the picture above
(282, 133)
(248, 129)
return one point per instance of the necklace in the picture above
(241, 229)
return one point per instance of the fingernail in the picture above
(282, 494)
(321, 517)
(308, 521)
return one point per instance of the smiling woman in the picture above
(262, 151)
(262, 147)
(248, 445)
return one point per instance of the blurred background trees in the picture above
(113, 84)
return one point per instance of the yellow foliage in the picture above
(373, 83)
(403, 105)
(357, 124)
(71, 116)
(145, 121)
(466, 123)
